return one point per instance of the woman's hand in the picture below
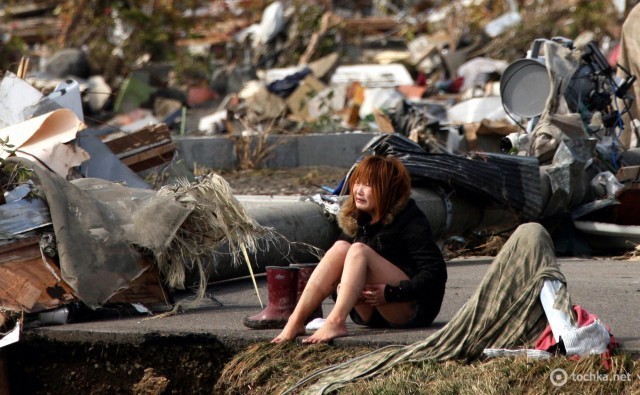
(373, 294)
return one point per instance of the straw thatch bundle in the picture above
(216, 219)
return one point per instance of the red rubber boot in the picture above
(282, 291)
(304, 272)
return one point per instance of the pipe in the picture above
(304, 223)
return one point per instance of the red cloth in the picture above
(613, 56)
(546, 340)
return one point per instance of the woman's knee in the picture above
(341, 245)
(359, 248)
(338, 250)
(359, 252)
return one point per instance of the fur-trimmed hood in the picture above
(349, 224)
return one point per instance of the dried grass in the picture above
(632, 255)
(267, 368)
(217, 218)
(474, 245)
(507, 375)
(272, 369)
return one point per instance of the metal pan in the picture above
(524, 88)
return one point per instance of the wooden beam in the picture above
(145, 148)
(150, 158)
(20, 250)
(148, 136)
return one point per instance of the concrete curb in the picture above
(331, 149)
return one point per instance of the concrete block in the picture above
(285, 153)
(336, 149)
(212, 152)
(340, 150)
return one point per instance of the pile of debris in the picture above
(540, 135)
(70, 242)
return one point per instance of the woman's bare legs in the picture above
(362, 265)
(322, 282)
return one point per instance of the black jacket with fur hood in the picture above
(404, 238)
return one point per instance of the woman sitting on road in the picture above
(386, 268)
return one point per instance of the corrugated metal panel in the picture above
(23, 215)
(511, 181)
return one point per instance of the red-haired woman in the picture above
(386, 268)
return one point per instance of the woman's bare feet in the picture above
(327, 332)
(289, 333)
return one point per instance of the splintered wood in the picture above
(145, 148)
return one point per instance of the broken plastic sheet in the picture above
(476, 70)
(137, 210)
(45, 137)
(271, 24)
(477, 109)
(98, 225)
(569, 181)
(606, 184)
(561, 64)
(379, 98)
(17, 98)
(12, 337)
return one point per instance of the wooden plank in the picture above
(16, 292)
(20, 250)
(370, 25)
(151, 135)
(45, 276)
(147, 289)
(17, 11)
(150, 158)
(31, 29)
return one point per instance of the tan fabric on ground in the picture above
(630, 60)
(504, 312)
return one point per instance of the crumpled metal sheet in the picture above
(22, 216)
(507, 180)
(98, 228)
(103, 163)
